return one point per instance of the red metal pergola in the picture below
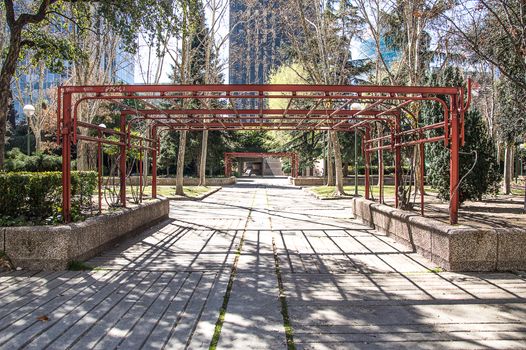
(294, 160)
(223, 107)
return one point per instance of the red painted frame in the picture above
(385, 105)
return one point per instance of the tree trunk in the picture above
(345, 169)
(82, 156)
(180, 163)
(6, 75)
(508, 176)
(38, 141)
(380, 168)
(4, 102)
(330, 169)
(202, 163)
(337, 162)
(418, 175)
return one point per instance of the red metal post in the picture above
(422, 169)
(454, 174)
(398, 159)
(99, 166)
(140, 170)
(66, 158)
(367, 163)
(122, 161)
(381, 171)
(154, 163)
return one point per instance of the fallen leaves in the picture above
(43, 318)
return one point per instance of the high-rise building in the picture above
(255, 41)
(121, 71)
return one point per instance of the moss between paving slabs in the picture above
(289, 333)
(79, 266)
(233, 273)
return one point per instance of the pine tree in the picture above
(484, 178)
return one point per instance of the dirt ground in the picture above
(501, 211)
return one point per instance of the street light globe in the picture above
(522, 146)
(356, 106)
(102, 125)
(29, 110)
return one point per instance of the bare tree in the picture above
(406, 25)
(320, 40)
(495, 30)
(42, 98)
(213, 46)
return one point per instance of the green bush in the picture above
(83, 185)
(36, 198)
(484, 177)
(373, 170)
(17, 161)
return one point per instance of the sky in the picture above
(164, 64)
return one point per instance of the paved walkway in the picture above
(253, 267)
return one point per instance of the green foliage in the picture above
(17, 161)
(252, 141)
(131, 17)
(79, 266)
(35, 198)
(51, 49)
(373, 169)
(83, 185)
(485, 177)
(510, 116)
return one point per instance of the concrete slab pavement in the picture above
(212, 274)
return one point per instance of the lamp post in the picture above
(356, 106)
(100, 165)
(523, 146)
(29, 111)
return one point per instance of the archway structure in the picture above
(294, 160)
(144, 110)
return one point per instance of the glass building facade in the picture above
(122, 71)
(255, 41)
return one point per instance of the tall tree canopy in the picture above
(24, 19)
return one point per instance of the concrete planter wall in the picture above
(213, 181)
(53, 247)
(187, 181)
(454, 248)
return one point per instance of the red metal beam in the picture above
(268, 119)
(263, 88)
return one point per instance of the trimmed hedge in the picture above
(36, 198)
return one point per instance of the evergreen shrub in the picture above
(36, 198)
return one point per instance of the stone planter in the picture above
(454, 248)
(53, 247)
